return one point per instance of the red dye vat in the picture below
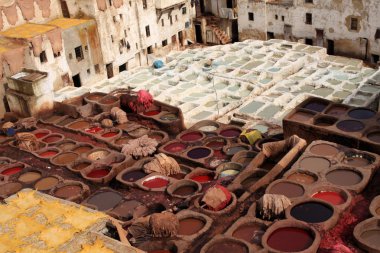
(152, 113)
(48, 154)
(98, 173)
(202, 178)
(230, 133)
(175, 147)
(40, 135)
(290, 239)
(11, 171)
(192, 136)
(334, 198)
(53, 138)
(215, 144)
(156, 182)
(93, 130)
(108, 135)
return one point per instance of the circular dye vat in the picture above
(157, 136)
(98, 155)
(315, 163)
(95, 96)
(41, 135)
(46, 183)
(337, 110)
(357, 161)
(361, 113)
(82, 149)
(227, 246)
(374, 136)
(324, 150)
(68, 191)
(133, 176)
(312, 212)
(301, 116)
(155, 182)
(52, 138)
(190, 226)
(234, 150)
(81, 166)
(29, 177)
(287, 189)
(10, 188)
(109, 134)
(98, 173)
(344, 177)
(65, 158)
(152, 113)
(198, 153)
(350, 125)
(228, 173)
(250, 181)
(230, 133)
(48, 154)
(66, 146)
(105, 200)
(93, 130)
(192, 136)
(175, 147)
(79, 125)
(378, 211)
(11, 171)
(334, 198)
(315, 106)
(126, 209)
(202, 178)
(169, 117)
(185, 190)
(216, 144)
(108, 100)
(371, 237)
(251, 232)
(302, 178)
(290, 239)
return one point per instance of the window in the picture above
(377, 34)
(130, 3)
(122, 43)
(270, 35)
(176, 18)
(145, 4)
(88, 71)
(184, 10)
(150, 50)
(114, 19)
(147, 31)
(97, 69)
(309, 41)
(110, 1)
(171, 19)
(309, 1)
(57, 54)
(251, 16)
(85, 48)
(125, 33)
(309, 18)
(283, 18)
(43, 57)
(164, 43)
(375, 58)
(137, 46)
(70, 56)
(162, 22)
(276, 16)
(354, 24)
(112, 38)
(79, 53)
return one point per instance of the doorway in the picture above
(77, 81)
(288, 32)
(198, 33)
(330, 47)
(123, 67)
(229, 4)
(320, 37)
(180, 38)
(364, 48)
(235, 31)
(109, 68)
(202, 4)
(65, 9)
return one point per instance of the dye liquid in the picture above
(290, 239)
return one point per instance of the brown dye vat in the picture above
(53, 138)
(66, 146)
(78, 125)
(95, 96)
(250, 232)
(139, 132)
(372, 237)
(82, 149)
(227, 246)
(344, 177)
(104, 200)
(29, 177)
(302, 116)
(46, 183)
(66, 121)
(190, 226)
(358, 160)
(108, 100)
(337, 110)
(367, 234)
(10, 189)
(122, 140)
(185, 190)
(81, 166)
(302, 177)
(315, 163)
(288, 189)
(324, 150)
(65, 158)
(325, 121)
(126, 209)
(68, 191)
(374, 136)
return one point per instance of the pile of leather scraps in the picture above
(140, 147)
(163, 164)
(158, 225)
(107, 123)
(27, 141)
(217, 198)
(119, 115)
(272, 206)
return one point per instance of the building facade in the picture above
(346, 27)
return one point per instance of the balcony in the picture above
(167, 4)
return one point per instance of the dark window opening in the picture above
(251, 16)
(112, 39)
(43, 57)
(77, 81)
(354, 24)
(123, 67)
(309, 18)
(164, 43)
(377, 34)
(276, 16)
(109, 68)
(86, 48)
(270, 35)
(97, 69)
(309, 41)
(330, 47)
(229, 4)
(147, 31)
(125, 33)
(198, 33)
(79, 53)
(110, 1)
(309, 1)
(150, 50)
(171, 19)
(58, 54)
(283, 18)
(70, 56)
(375, 58)
(184, 10)
(121, 16)
(162, 22)
(65, 9)
(145, 4)
(88, 71)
